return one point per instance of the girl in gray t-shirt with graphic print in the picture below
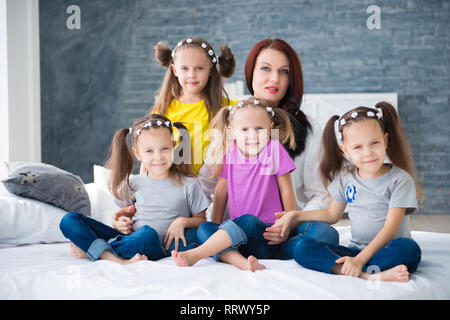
(379, 197)
(168, 203)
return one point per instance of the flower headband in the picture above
(210, 52)
(255, 102)
(150, 124)
(341, 121)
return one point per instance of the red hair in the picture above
(291, 101)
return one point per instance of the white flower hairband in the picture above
(210, 52)
(149, 124)
(255, 102)
(353, 115)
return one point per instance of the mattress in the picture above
(47, 271)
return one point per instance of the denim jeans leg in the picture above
(320, 256)
(206, 230)
(145, 241)
(191, 241)
(399, 251)
(88, 234)
(319, 231)
(256, 245)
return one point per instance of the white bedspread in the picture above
(47, 271)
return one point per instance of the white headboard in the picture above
(321, 106)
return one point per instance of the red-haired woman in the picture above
(273, 73)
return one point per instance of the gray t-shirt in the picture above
(159, 202)
(369, 200)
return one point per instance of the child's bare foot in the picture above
(398, 274)
(183, 259)
(254, 265)
(77, 252)
(137, 257)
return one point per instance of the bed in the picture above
(35, 262)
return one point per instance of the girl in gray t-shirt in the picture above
(379, 197)
(167, 202)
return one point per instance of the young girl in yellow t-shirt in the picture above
(192, 90)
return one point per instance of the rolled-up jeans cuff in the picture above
(236, 234)
(97, 247)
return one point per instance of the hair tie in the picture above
(336, 130)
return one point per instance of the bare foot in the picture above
(137, 257)
(183, 259)
(398, 274)
(254, 265)
(77, 252)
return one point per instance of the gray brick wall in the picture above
(103, 76)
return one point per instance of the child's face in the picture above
(365, 144)
(250, 127)
(192, 68)
(155, 150)
(271, 76)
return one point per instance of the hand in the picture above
(352, 266)
(175, 232)
(280, 230)
(127, 211)
(123, 224)
(142, 169)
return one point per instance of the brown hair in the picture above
(398, 148)
(224, 117)
(293, 97)
(171, 89)
(121, 161)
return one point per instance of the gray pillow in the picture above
(48, 184)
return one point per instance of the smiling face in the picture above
(365, 144)
(192, 68)
(154, 148)
(250, 128)
(271, 76)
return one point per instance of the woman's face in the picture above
(271, 76)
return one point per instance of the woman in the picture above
(273, 73)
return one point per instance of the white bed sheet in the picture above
(47, 271)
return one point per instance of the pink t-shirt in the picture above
(252, 182)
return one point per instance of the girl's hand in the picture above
(123, 224)
(352, 266)
(175, 232)
(279, 231)
(127, 211)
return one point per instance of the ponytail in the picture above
(218, 144)
(332, 158)
(120, 162)
(398, 147)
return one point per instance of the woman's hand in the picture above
(175, 232)
(352, 266)
(279, 231)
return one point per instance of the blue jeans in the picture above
(246, 234)
(319, 256)
(94, 237)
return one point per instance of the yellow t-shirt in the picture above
(195, 118)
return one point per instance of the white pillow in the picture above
(103, 206)
(28, 221)
(101, 197)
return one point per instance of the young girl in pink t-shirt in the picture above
(254, 177)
